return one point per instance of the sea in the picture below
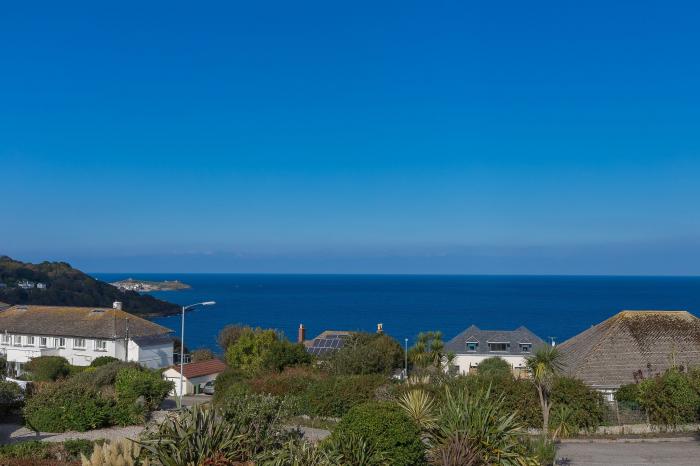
(554, 307)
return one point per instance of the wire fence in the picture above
(621, 414)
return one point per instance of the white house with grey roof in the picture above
(473, 345)
(81, 334)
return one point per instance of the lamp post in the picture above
(182, 341)
(405, 361)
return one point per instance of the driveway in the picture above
(684, 451)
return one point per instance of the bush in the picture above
(367, 353)
(670, 399)
(10, 396)
(335, 395)
(259, 350)
(388, 429)
(587, 407)
(495, 367)
(628, 395)
(48, 368)
(131, 384)
(59, 407)
(102, 360)
(201, 354)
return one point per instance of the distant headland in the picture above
(131, 284)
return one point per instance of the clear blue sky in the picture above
(413, 137)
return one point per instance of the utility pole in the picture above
(405, 356)
(126, 342)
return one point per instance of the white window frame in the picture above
(476, 346)
(59, 342)
(16, 340)
(6, 339)
(100, 345)
(76, 344)
(43, 342)
(526, 348)
(30, 340)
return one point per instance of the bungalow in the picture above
(327, 341)
(474, 345)
(195, 375)
(81, 334)
(632, 345)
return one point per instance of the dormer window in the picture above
(525, 347)
(472, 346)
(499, 347)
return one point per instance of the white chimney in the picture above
(117, 305)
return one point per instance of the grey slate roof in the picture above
(458, 344)
(608, 354)
(87, 322)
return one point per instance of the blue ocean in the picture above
(550, 306)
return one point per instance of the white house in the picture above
(474, 345)
(195, 375)
(81, 334)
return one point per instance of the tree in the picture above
(367, 353)
(544, 366)
(494, 367)
(230, 334)
(201, 354)
(48, 368)
(429, 351)
(256, 350)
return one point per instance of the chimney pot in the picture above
(301, 336)
(380, 328)
(117, 305)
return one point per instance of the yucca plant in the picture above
(299, 452)
(352, 450)
(191, 436)
(456, 450)
(495, 435)
(419, 405)
(563, 424)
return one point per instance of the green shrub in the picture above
(33, 449)
(334, 396)
(10, 396)
(201, 354)
(48, 368)
(587, 408)
(77, 447)
(495, 366)
(131, 384)
(367, 353)
(628, 395)
(256, 350)
(387, 429)
(58, 407)
(292, 380)
(669, 399)
(102, 360)
(229, 383)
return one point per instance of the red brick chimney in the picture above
(301, 336)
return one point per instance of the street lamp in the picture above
(182, 340)
(405, 361)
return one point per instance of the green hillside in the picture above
(67, 286)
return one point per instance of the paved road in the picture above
(678, 452)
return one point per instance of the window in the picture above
(499, 347)
(17, 340)
(525, 347)
(30, 341)
(100, 345)
(5, 339)
(79, 343)
(472, 346)
(43, 341)
(59, 342)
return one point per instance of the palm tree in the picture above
(544, 366)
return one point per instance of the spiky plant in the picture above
(351, 450)
(563, 423)
(122, 452)
(456, 450)
(494, 434)
(299, 452)
(190, 437)
(419, 406)
(543, 367)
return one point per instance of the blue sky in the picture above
(410, 137)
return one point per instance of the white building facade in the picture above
(474, 345)
(80, 335)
